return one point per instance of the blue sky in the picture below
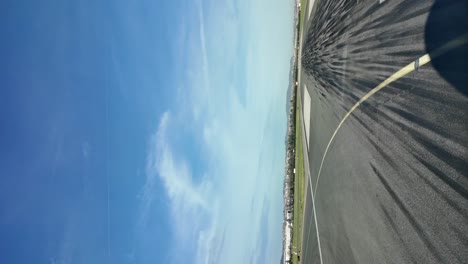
(143, 131)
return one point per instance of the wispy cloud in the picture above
(225, 202)
(185, 196)
(85, 149)
(175, 175)
(204, 54)
(193, 204)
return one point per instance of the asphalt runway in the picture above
(393, 186)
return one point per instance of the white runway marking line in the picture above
(306, 154)
(316, 225)
(308, 233)
(315, 221)
(306, 116)
(310, 5)
(402, 72)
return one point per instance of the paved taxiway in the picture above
(393, 184)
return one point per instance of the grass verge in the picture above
(301, 15)
(298, 188)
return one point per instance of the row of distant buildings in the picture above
(289, 178)
(289, 184)
(288, 192)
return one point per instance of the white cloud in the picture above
(176, 176)
(85, 149)
(193, 205)
(187, 198)
(204, 54)
(220, 209)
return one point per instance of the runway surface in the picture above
(393, 185)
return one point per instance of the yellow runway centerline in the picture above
(402, 72)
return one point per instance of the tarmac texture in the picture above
(393, 185)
